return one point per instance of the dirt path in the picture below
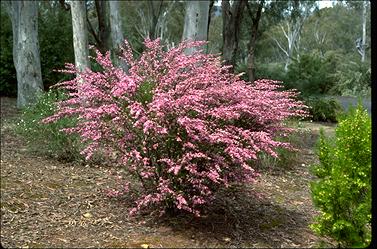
(47, 203)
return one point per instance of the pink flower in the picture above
(181, 201)
(181, 124)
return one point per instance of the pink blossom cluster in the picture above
(181, 123)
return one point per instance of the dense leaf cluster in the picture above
(343, 190)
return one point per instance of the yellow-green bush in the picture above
(343, 189)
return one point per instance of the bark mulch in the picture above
(47, 203)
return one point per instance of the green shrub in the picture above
(274, 71)
(55, 41)
(323, 109)
(343, 190)
(8, 80)
(312, 74)
(287, 158)
(353, 79)
(48, 139)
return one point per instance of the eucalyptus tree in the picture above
(152, 19)
(253, 37)
(80, 35)
(232, 17)
(296, 14)
(361, 42)
(117, 37)
(26, 58)
(196, 22)
(98, 23)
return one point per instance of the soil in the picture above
(48, 203)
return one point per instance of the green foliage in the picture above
(287, 158)
(323, 109)
(353, 79)
(343, 190)
(55, 41)
(312, 74)
(8, 80)
(144, 93)
(274, 71)
(215, 35)
(335, 29)
(328, 40)
(47, 138)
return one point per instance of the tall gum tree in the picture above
(291, 27)
(99, 24)
(26, 57)
(117, 38)
(253, 38)
(232, 16)
(361, 45)
(80, 35)
(361, 42)
(196, 22)
(153, 19)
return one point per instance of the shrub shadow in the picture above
(245, 219)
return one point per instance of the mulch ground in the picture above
(49, 203)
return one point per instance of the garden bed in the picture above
(49, 203)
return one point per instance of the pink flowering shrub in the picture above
(181, 124)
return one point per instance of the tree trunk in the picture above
(24, 17)
(363, 42)
(104, 36)
(154, 16)
(80, 35)
(299, 12)
(196, 22)
(211, 3)
(252, 42)
(117, 37)
(232, 16)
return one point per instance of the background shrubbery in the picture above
(47, 139)
(323, 109)
(55, 42)
(300, 138)
(343, 189)
(312, 74)
(353, 79)
(8, 80)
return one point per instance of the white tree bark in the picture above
(292, 33)
(319, 38)
(153, 20)
(196, 22)
(363, 42)
(24, 16)
(80, 35)
(117, 38)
